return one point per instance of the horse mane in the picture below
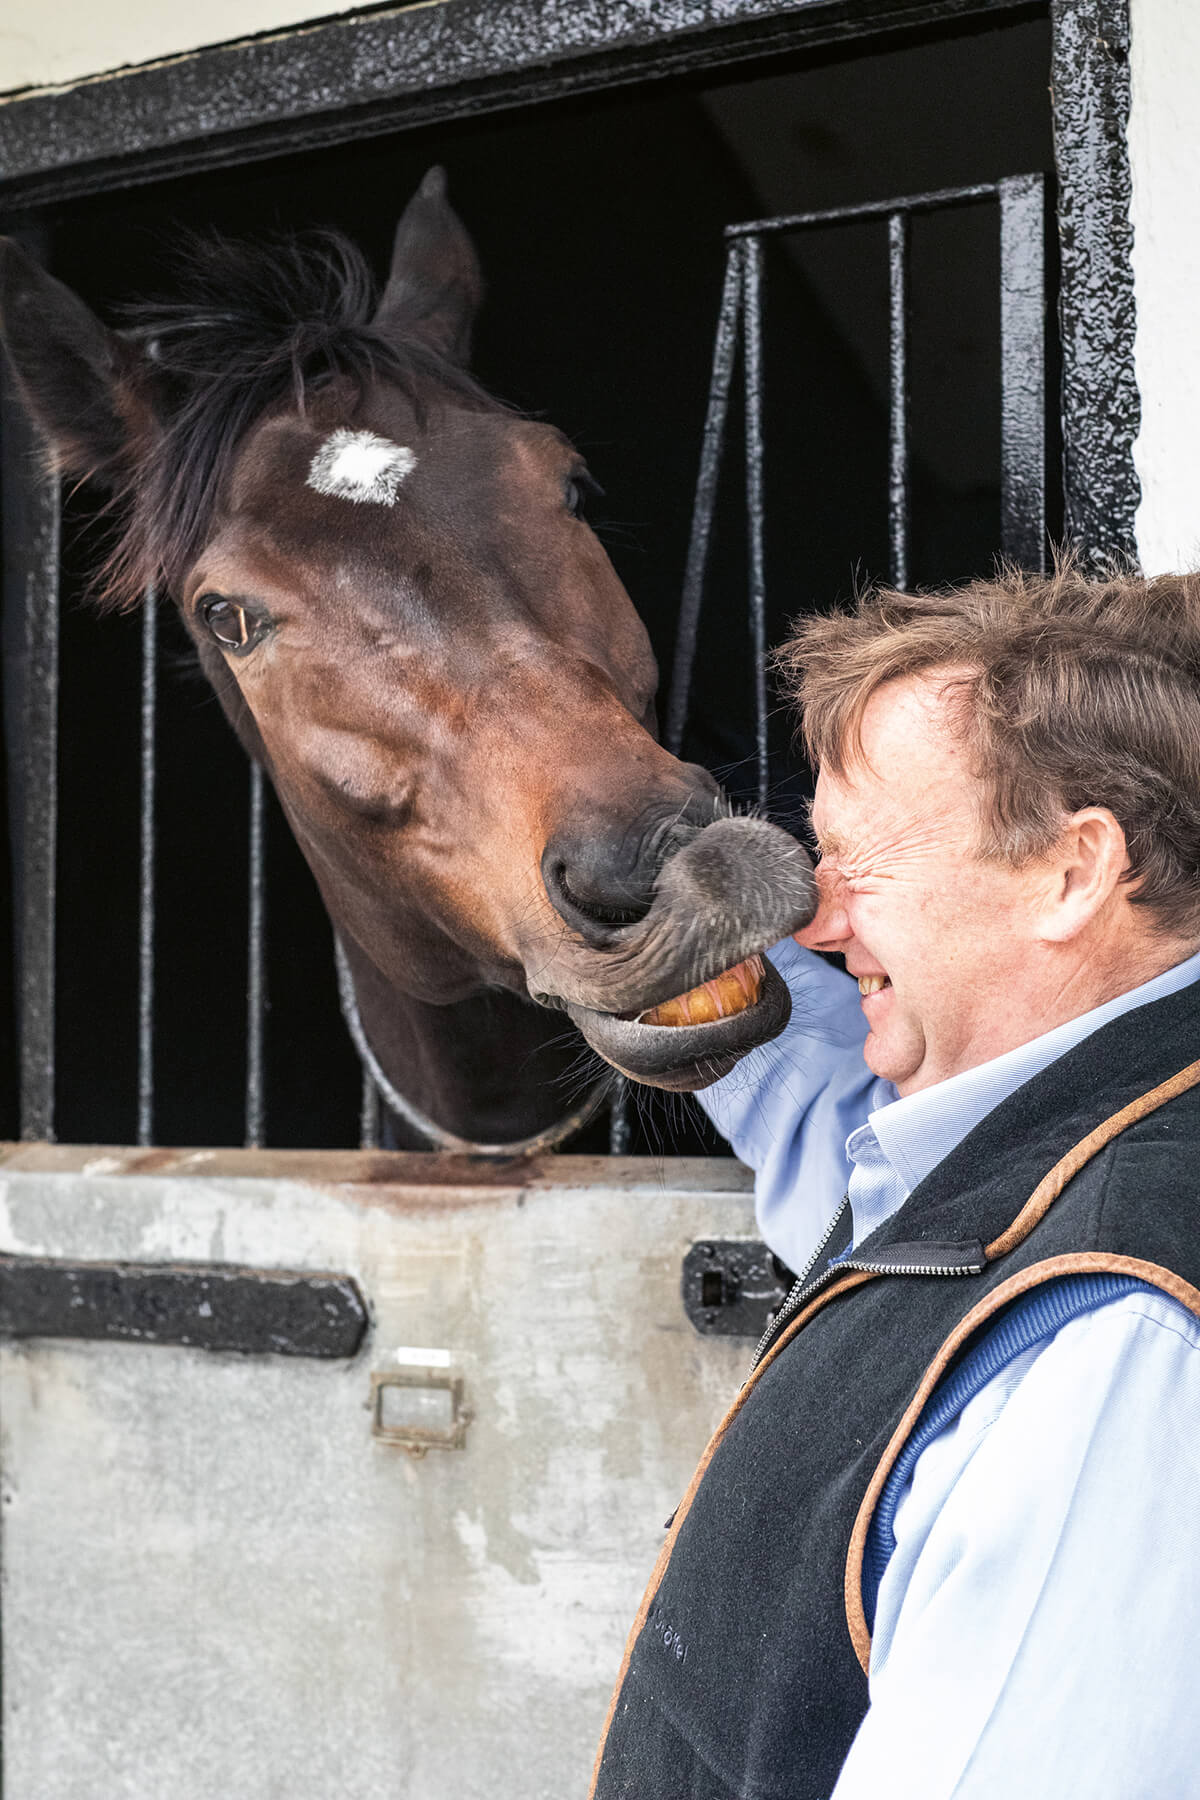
(265, 323)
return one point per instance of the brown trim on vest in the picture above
(1083, 1262)
(1051, 1186)
(853, 1278)
(1031, 1214)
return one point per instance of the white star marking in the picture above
(358, 466)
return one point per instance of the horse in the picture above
(391, 586)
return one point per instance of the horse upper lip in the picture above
(736, 887)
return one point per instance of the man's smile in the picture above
(872, 984)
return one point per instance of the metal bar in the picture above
(256, 982)
(724, 351)
(1101, 407)
(869, 209)
(145, 1069)
(619, 1128)
(898, 399)
(1023, 371)
(39, 874)
(757, 580)
(368, 1130)
(208, 1306)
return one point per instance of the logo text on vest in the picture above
(669, 1636)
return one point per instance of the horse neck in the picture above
(493, 1069)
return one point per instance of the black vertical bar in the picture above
(898, 399)
(256, 986)
(145, 1069)
(724, 351)
(757, 586)
(368, 1133)
(1023, 371)
(32, 523)
(619, 1130)
(1101, 408)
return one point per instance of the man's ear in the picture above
(1088, 867)
(78, 380)
(435, 286)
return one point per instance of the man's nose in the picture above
(829, 927)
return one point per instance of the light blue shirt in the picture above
(1036, 1626)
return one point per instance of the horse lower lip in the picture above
(683, 1060)
(723, 997)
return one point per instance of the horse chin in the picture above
(685, 1058)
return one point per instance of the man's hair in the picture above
(1070, 693)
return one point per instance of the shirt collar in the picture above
(918, 1132)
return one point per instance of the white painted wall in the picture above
(45, 43)
(1164, 151)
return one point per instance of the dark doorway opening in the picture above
(599, 223)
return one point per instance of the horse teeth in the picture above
(726, 994)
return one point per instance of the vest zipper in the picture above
(795, 1294)
(804, 1288)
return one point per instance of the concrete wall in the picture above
(1164, 151)
(46, 44)
(218, 1585)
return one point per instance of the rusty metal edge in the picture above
(381, 1168)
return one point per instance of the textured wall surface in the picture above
(1164, 154)
(42, 46)
(218, 1586)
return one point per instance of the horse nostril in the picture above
(615, 908)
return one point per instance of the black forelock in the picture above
(265, 323)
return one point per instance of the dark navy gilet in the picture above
(745, 1672)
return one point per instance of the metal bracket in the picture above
(731, 1286)
(419, 1409)
(208, 1306)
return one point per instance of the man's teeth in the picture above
(719, 998)
(872, 984)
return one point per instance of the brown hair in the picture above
(1074, 693)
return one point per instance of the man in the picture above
(945, 1541)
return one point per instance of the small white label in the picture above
(412, 1356)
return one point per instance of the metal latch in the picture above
(419, 1406)
(731, 1286)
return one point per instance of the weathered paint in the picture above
(393, 68)
(216, 1582)
(1090, 82)
(1164, 153)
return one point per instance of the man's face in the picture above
(944, 940)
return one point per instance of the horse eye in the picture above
(230, 625)
(577, 489)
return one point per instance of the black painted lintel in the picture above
(390, 70)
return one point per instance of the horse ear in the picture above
(435, 285)
(75, 377)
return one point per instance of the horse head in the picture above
(392, 587)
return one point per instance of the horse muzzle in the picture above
(678, 999)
